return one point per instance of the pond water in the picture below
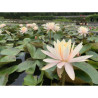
(19, 80)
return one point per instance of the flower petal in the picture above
(57, 46)
(51, 61)
(65, 52)
(76, 50)
(81, 58)
(49, 54)
(49, 66)
(60, 71)
(52, 50)
(70, 71)
(60, 65)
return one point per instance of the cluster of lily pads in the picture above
(49, 54)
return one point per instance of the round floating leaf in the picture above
(26, 41)
(38, 54)
(93, 38)
(49, 72)
(31, 49)
(40, 78)
(85, 48)
(7, 59)
(40, 63)
(31, 70)
(25, 65)
(87, 68)
(3, 79)
(57, 36)
(95, 46)
(8, 71)
(83, 76)
(30, 80)
(95, 55)
(94, 64)
(20, 47)
(10, 51)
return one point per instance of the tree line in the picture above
(18, 15)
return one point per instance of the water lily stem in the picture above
(83, 38)
(63, 79)
(50, 37)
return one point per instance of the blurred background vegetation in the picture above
(53, 16)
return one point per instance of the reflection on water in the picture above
(19, 80)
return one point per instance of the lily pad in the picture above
(95, 55)
(7, 59)
(85, 48)
(30, 80)
(3, 79)
(25, 65)
(87, 68)
(39, 55)
(10, 51)
(31, 49)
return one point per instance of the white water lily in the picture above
(34, 24)
(57, 28)
(20, 25)
(83, 31)
(51, 26)
(29, 25)
(23, 29)
(35, 28)
(2, 25)
(62, 56)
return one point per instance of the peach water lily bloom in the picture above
(57, 28)
(51, 26)
(23, 29)
(20, 25)
(29, 25)
(2, 25)
(35, 28)
(83, 31)
(34, 24)
(63, 55)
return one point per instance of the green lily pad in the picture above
(38, 54)
(30, 80)
(87, 68)
(10, 51)
(94, 64)
(31, 49)
(9, 70)
(85, 48)
(83, 76)
(95, 55)
(25, 65)
(7, 59)
(3, 79)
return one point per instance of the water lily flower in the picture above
(94, 27)
(57, 28)
(63, 55)
(2, 25)
(51, 26)
(35, 28)
(21, 25)
(29, 25)
(23, 29)
(34, 24)
(90, 28)
(83, 31)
